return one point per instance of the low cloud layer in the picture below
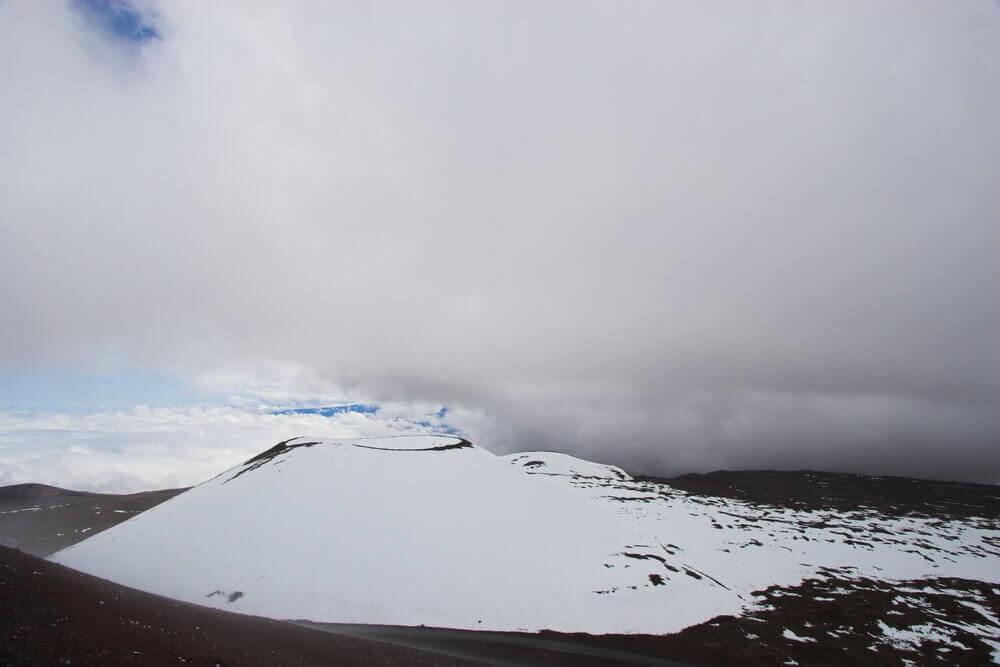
(122, 451)
(670, 237)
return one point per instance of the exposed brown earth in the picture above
(839, 621)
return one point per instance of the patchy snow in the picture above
(553, 463)
(26, 509)
(788, 634)
(914, 636)
(433, 530)
(983, 611)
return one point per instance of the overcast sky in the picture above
(670, 236)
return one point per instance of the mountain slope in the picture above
(41, 520)
(433, 530)
(403, 530)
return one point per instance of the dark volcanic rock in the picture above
(844, 492)
(859, 621)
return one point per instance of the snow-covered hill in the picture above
(433, 530)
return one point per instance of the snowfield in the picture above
(436, 531)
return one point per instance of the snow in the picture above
(553, 463)
(431, 530)
(788, 634)
(26, 509)
(913, 637)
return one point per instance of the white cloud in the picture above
(148, 448)
(580, 218)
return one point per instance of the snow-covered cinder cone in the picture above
(408, 530)
(434, 530)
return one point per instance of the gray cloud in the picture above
(672, 237)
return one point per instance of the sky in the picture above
(671, 236)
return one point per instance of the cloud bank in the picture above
(123, 451)
(671, 237)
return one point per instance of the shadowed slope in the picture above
(41, 519)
